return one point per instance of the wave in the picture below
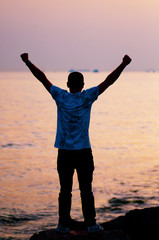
(16, 145)
(10, 217)
(118, 205)
(16, 219)
(126, 200)
(17, 224)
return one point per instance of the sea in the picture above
(124, 134)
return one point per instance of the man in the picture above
(72, 140)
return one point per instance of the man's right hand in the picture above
(24, 57)
(126, 59)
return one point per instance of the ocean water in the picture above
(124, 133)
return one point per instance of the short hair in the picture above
(75, 80)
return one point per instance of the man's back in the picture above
(73, 117)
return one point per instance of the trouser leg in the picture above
(85, 176)
(65, 171)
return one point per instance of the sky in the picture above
(79, 34)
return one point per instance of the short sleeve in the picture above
(93, 93)
(55, 92)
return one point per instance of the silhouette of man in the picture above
(72, 140)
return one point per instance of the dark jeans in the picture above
(67, 162)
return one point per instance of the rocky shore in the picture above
(138, 224)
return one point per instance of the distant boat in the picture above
(79, 70)
(151, 70)
(71, 70)
(83, 70)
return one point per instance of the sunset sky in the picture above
(89, 34)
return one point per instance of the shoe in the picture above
(62, 229)
(95, 228)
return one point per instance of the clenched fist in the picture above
(126, 59)
(24, 57)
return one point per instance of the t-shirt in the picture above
(73, 117)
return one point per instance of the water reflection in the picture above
(124, 135)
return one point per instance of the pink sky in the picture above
(64, 34)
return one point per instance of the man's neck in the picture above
(75, 90)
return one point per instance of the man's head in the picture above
(75, 81)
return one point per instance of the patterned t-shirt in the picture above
(73, 117)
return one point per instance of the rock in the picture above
(80, 235)
(138, 224)
(143, 224)
(115, 235)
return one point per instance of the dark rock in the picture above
(138, 224)
(117, 223)
(142, 224)
(80, 235)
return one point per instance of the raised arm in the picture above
(36, 72)
(112, 77)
